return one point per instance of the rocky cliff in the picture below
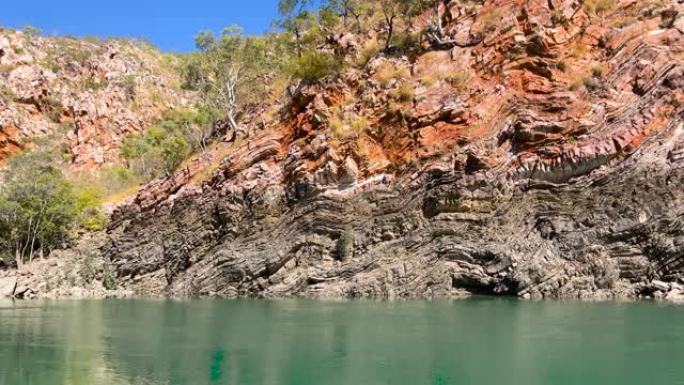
(88, 93)
(527, 148)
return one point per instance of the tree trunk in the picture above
(298, 38)
(390, 32)
(17, 257)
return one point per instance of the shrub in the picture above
(389, 72)
(428, 80)
(32, 31)
(93, 84)
(337, 127)
(87, 271)
(561, 65)
(359, 124)
(369, 51)
(491, 17)
(77, 54)
(88, 207)
(116, 178)
(128, 84)
(7, 93)
(577, 83)
(109, 278)
(54, 108)
(459, 80)
(404, 40)
(313, 66)
(405, 94)
(6, 68)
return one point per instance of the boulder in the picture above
(660, 285)
(8, 286)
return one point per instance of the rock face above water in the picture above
(89, 93)
(538, 156)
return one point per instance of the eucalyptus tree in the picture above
(225, 68)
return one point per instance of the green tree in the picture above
(296, 19)
(348, 9)
(406, 10)
(37, 207)
(163, 148)
(313, 66)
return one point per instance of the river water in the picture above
(298, 342)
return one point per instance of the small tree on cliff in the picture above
(37, 207)
(350, 9)
(406, 10)
(300, 21)
(224, 69)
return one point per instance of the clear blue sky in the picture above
(170, 24)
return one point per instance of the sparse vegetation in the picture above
(561, 65)
(93, 84)
(404, 94)
(54, 108)
(87, 271)
(313, 66)
(369, 50)
(491, 17)
(32, 31)
(77, 54)
(459, 79)
(161, 149)
(109, 278)
(5, 69)
(389, 72)
(428, 80)
(599, 7)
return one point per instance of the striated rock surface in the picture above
(532, 149)
(88, 93)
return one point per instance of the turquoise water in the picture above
(476, 341)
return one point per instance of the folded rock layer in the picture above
(538, 152)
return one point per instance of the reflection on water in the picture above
(480, 341)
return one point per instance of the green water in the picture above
(478, 341)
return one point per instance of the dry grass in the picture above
(429, 80)
(624, 21)
(389, 72)
(404, 94)
(459, 79)
(578, 50)
(6, 68)
(122, 195)
(369, 51)
(599, 7)
(219, 152)
(491, 17)
(341, 129)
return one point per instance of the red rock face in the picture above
(532, 148)
(545, 90)
(88, 94)
(542, 90)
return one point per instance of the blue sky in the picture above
(169, 24)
